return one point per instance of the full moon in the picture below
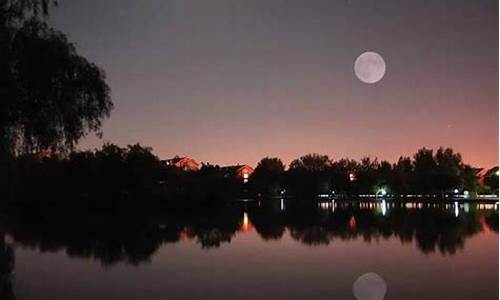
(369, 67)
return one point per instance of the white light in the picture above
(384, 208)
(456, 209)
(381, 191)
(455, 191)
(352, 177)
(466, 194)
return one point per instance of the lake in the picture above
(421, 250)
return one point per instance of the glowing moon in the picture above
(369, 67)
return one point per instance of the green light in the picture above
(382, 191)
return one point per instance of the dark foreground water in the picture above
(421, 250)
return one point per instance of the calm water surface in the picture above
(421, 251)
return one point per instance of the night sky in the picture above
(232, 81)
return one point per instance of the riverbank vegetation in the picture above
(133, 177)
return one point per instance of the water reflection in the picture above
(6, 269)
(433, 227)
(442, 227)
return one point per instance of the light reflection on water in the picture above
(423, 250)
(383, 205)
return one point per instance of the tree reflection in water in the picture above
(431, 229)
(133, 239)
(6, 269)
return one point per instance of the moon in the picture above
(369, 67)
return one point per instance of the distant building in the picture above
(184, 163)
(240, 171)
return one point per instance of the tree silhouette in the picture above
(51, 96)
(311, 163)
(448, 169)
(56, 96)
(19, 10)
(339, 173)
(267, 176)
(469, 179)
(424, 170)
(6, 270)
(367, 176)
(491, 179)
(402, 177)
(118, 175)
(309, 175)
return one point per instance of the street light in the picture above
(381, 191)
(352, 177)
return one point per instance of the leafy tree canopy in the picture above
(311, 162)
(51, 96)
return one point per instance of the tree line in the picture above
(428, 172)
(133, 176)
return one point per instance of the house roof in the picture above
(235, 168)
(178, 159)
